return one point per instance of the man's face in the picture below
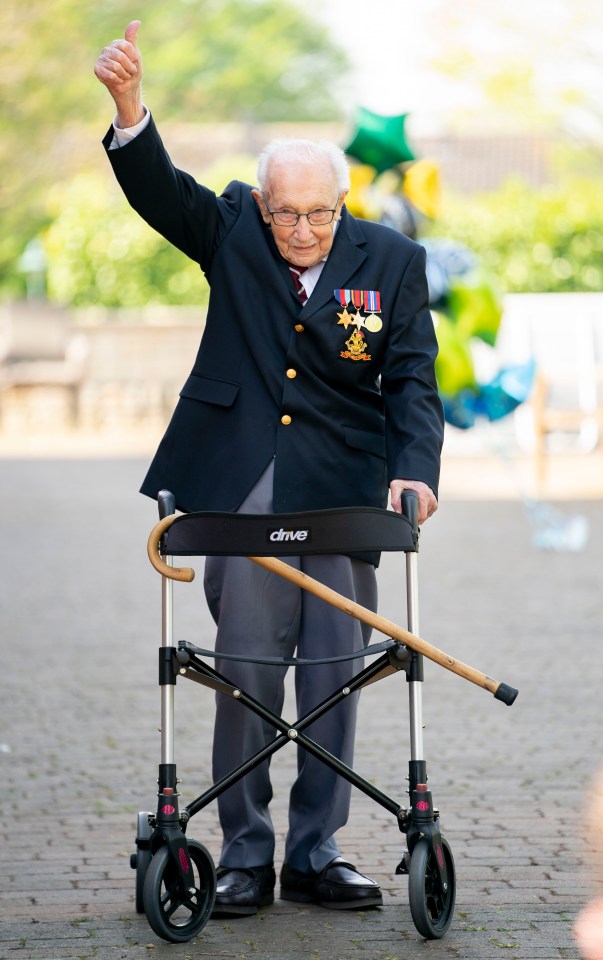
(301, 188)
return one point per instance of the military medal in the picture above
(343, 297)
(358, 300)
(372, 302)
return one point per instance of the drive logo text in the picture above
(283, 536)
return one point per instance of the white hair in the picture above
(303, 151)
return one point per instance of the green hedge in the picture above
(533, 241)
(100, 252)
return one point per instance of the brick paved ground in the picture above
(79, 748)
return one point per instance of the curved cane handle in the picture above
(186, 574)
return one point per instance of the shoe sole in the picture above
(222, 911)
(298, 896)
(351, 904)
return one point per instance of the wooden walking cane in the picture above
(501, 691)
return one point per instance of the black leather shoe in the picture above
(338, 887)
(240, 891)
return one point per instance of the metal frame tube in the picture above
(167, 690)
(415, 691)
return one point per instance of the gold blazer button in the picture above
(286, 419)
(291, 373)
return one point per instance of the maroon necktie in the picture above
(296, 272)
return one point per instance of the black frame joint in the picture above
(168, 666)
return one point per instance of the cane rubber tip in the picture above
(506, 693)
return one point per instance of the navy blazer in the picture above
(273, 379)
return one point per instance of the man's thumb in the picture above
(132, 31)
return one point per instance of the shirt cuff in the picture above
(122, 136)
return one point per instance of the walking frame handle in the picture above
(500, 691)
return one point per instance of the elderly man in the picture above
(313, 387)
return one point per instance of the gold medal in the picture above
(345, 319)
(373, 323)
(370, 300)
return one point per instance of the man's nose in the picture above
(303, 228)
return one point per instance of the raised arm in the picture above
(170, 200)
(119, 68)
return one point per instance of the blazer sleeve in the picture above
(187, 214)
(414, 418)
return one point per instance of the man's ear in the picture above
(257, 196)
(342, 195)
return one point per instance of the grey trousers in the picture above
(258, 612)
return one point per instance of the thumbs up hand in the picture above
(119, 68)
(131, 33)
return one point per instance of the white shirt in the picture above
(122, 136)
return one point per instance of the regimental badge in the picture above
(357, 346)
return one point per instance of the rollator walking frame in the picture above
(175, 876)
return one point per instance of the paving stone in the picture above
(80, 617)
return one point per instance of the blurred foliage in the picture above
(100, 252)
(533, 241)
(225, 60)
(243, 61)
(522, 66)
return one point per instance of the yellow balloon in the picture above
(362, 200)
(422, 187)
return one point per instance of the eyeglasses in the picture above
(286, 218)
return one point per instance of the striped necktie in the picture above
(296, 273)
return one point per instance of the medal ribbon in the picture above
(342, 296)
(372, 300)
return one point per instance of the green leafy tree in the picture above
(101, 253)
(224, 60)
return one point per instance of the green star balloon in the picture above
(379, 141)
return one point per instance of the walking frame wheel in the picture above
(173, 913)
(431, 907)
(140, 860)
